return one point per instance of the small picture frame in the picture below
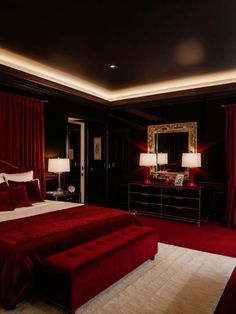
(179, 179)
(97, 148)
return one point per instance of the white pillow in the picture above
(1, 178)
(19, 177)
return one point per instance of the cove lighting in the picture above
(32, 67)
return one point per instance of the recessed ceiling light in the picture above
(113, 66)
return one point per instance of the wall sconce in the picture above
(162, 160)
(147, 159)
(191, 160)
(59, 165)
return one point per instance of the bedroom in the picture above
(123, 125)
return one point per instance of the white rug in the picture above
(179, 281)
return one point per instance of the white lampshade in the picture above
(191, 160)
(147, 159)
(59, 165)
(162, 158)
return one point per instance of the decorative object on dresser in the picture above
(191, 160)
(166, 201)
(147, 160)
(59, 165)
(179, 179)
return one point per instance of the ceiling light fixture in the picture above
(113, 66)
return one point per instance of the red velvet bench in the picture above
(72, 277)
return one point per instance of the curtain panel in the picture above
(22, 133)
(231, 165)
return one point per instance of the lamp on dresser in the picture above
(147, 160)
(162, 160)
(59, 165)
(191, 161)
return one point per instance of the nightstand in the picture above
(65, 197)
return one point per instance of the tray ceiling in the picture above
(149, 42)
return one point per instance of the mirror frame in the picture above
(152, 130)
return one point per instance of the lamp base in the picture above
(192, 184)
(191, 178)
(59, 191)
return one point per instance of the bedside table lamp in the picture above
(147, 159)
(162, 160)
(59, 165)
(191, 160)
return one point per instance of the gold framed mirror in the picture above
(173, 139)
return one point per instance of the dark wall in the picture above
(124, 136)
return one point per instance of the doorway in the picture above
(76, 154)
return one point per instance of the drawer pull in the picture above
(179, 208)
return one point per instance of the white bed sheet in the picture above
(36, 209)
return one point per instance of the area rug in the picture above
(178, 281)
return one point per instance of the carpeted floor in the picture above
(210, 237)
(179, 281)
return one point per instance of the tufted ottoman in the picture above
(72, 277)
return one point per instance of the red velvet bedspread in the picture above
(25, 242)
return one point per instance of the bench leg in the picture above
(152, 258)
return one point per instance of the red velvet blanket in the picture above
(25, 242)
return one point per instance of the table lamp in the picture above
(59, 165)
(162, 159)
(191, 160)
(147, 159)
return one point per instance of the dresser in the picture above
(166, 201)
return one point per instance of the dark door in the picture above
(97, 184)
(74, 145)
(118, 167)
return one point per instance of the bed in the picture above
(30, 234)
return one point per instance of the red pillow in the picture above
(32, 189)
(19, 196)
(5, 201)
(3, 186)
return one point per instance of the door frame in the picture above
(77, 120)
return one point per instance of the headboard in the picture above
(10, 168)
(7, 167)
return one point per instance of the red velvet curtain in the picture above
(231, 164)
(22, 133)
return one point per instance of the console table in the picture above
(167, 201)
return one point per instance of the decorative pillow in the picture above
(5, 201)
(32, 189)
(3, 186)
(19, 177)
(1, 178)
(19, 196)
